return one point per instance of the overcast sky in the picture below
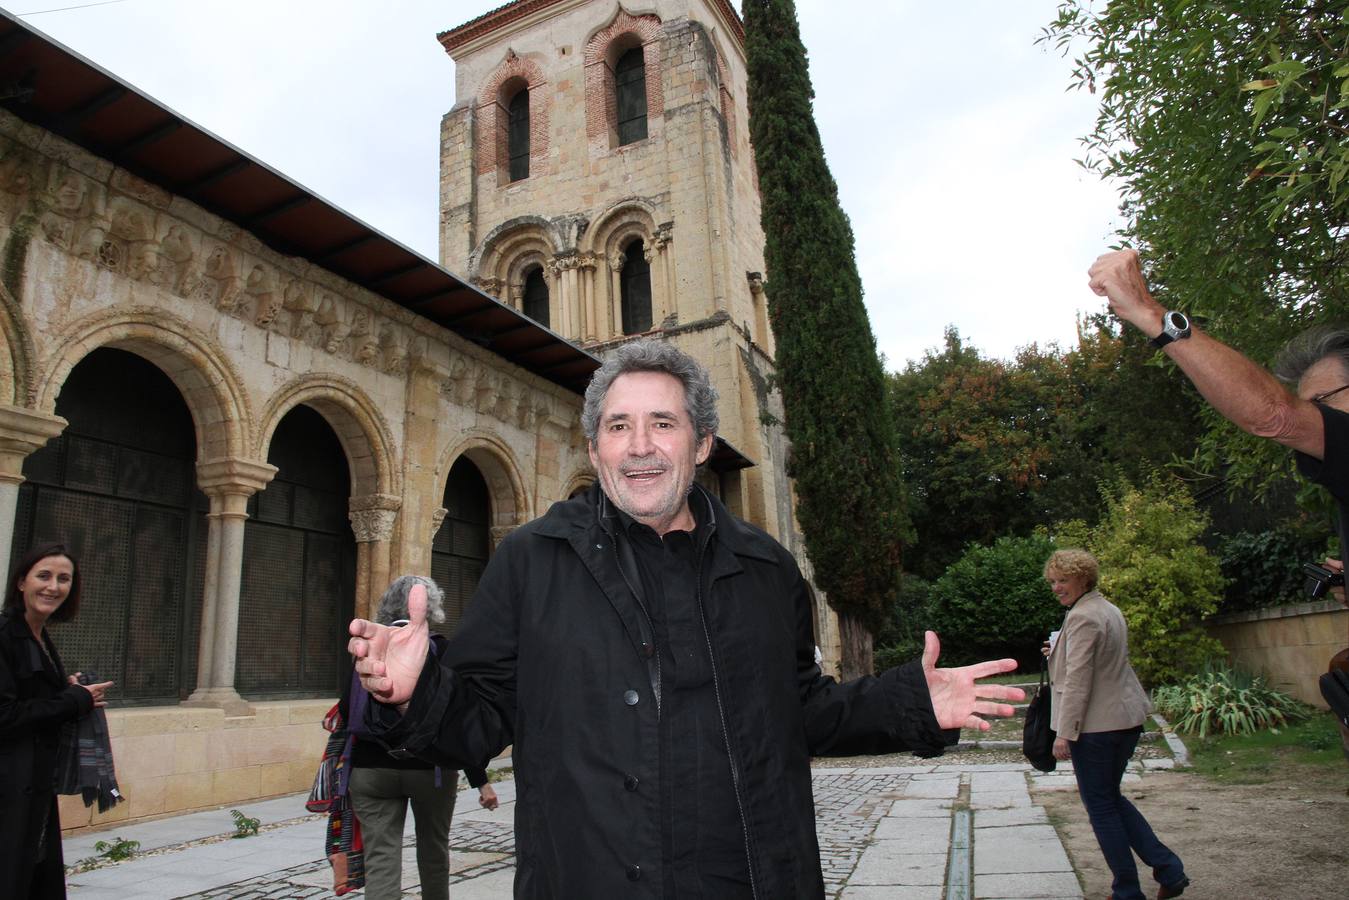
(949, 131)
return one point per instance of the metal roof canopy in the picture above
(55, 88)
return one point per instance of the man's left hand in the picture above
(1061, 750)
(958, 699)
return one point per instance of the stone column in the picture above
(229, 482)
(616, 262)
(372, 521)
(22, 431)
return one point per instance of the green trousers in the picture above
(380, 798)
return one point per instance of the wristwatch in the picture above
(1175, 327)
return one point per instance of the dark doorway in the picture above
(299, 572)
(460, 548)
(536, 296)
(635, 289)
(119, 487)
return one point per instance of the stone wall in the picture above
(1291, 645)
(175, 760)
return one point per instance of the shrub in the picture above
(900, 639)
(244, 825)
(1224, 700)
(1264, 568)
(117, 849)
(1156, 571)
(994, 602)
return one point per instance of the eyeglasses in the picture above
(1323, 397)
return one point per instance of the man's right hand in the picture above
(389, 660)
(1118, 277)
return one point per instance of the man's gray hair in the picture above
(650, 355)
(394, 604)
(1309, 348)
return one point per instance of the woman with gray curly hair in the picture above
(382, 786)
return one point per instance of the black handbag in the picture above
(1335, 688)
(1037, 738)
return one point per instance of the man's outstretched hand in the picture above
(388, 659)
(958, 699)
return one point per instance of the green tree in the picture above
(1156, 571)
(991, 448)
(850, 501)
(1226, 126)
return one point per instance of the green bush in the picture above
(1224, 700)
(1156, 571)
(994, 602)
(1265, 568)
(900, 639)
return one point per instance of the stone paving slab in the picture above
(1023, 887)
(890, 863)
(1020, 849)
(908, 892)
(1017, 815)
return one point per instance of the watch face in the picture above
(1176, 321)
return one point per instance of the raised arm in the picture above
(1247, 395)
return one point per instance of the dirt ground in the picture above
(1285, 838)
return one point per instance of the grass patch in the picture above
(1258, 758)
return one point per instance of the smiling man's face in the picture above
(646, 451)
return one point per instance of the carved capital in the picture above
(234, 476)
(23, 431)
(373, 516)
(437, 519)
(617, 261)
(755, 280)
(499, 533)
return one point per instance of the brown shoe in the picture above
(1174, 890)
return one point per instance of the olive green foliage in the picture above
(991, 448)
(994, 602)
(1224, 700)
(1264, 568)
(1226, 126)
(850, 501)
(1156, 571)
(117, 849)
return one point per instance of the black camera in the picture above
(1320, 580)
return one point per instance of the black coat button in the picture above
(630, 698)
(630, 782)
(634, 873)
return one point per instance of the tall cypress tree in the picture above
(843, 458)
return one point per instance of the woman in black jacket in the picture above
(36, 699)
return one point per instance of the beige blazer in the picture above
(1094, 687)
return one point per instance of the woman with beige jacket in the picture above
(1097, 712)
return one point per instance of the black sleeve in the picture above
(20, 717)
(462, 712)
(886, 713)
(476, 777)
(1332, 472)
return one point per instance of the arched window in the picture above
(536, 296)
(517, 136)
(630, 96)
(635, 289)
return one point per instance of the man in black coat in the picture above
(650, 658)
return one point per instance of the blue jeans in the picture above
(1099, 759)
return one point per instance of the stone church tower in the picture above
(596, 173)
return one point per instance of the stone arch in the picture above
(602, 51)
(619, 224)
(508, 252)
(16, 354)
(361, 429)
(491, 112)
(500, 469)
(211, 388)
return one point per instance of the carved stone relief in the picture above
(121, 232)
